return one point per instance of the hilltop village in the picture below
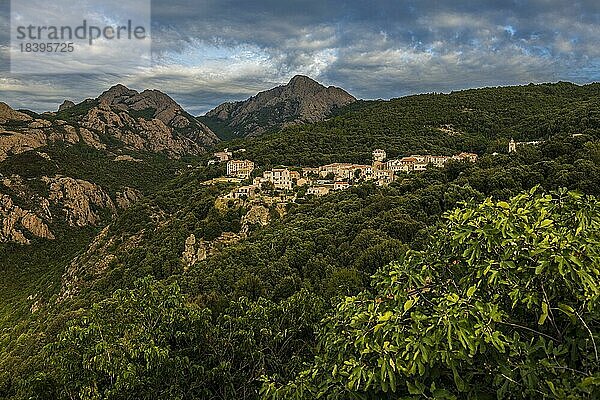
(288, 183)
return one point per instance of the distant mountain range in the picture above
(86, 162)
(302, 100)
(153, 121)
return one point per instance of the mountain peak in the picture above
(125, 98)
(302, 80)
(8, 114)
(66, 105)
(302, 100)
(116, 94)
(118, 86)
(4, 106)
(154, 104)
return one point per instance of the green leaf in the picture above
(471, 291)
(386, 316)
(566, 308)
(408, 304)
(539, 268)
(415, 388)
(453, 297)
(458, 381)
(443, 394)
(552, 388)
(544, 314)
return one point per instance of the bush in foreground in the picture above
(502, 304)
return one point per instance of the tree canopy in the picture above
(503, 303)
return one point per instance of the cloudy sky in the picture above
(205, 52)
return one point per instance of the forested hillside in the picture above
(503, 302)
(478, 120)
(373, 292)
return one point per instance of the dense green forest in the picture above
(478, 280)
(478, 120)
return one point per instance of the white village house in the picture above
(240, 168)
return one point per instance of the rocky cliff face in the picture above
(66, 105)
(26, 214)
(8, 114)
(16, 223)
(196, 250)
(80, 200)
(20, 132)
(149, 120)
(301, 100)
(128, 197)
(110, 247)
(94, 261)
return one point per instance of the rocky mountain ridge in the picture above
(147, 121)
(17, 222)
(302, 100)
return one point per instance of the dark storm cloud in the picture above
(210, 51)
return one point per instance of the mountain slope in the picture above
(149, 120)
(476, 120)
(302, 100)
(119, 118)
(83, 163)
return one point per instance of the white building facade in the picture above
(240, 168)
